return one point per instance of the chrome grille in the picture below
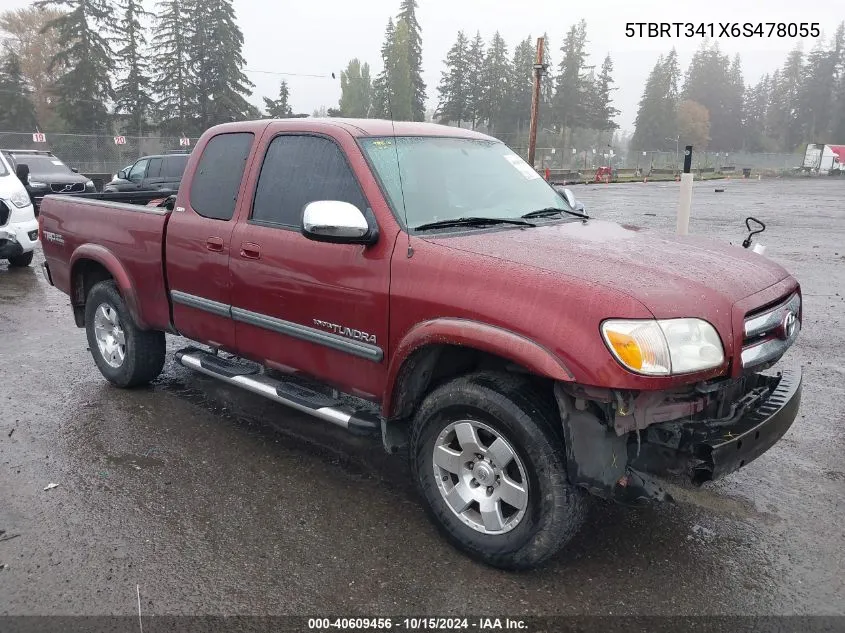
(770, 332)
(71, 188)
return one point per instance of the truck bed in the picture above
(126, 239)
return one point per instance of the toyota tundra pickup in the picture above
(424, 284)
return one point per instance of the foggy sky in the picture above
(319, 37)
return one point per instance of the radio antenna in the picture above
(410, 252)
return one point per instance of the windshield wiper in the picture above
(470, 222)
(550, 211)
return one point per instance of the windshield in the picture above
(4, 171)
(40, 164)
(450, 178)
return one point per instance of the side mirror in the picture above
(22, 172)
(336, 221)
(123, 175)
(570, 198)
(75, 170)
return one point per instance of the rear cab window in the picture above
(215, 185)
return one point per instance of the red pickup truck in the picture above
(424, 283)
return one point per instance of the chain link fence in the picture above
(92, 153)
(99, 154)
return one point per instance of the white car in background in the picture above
(18, 226)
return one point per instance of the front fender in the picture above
(481, 336)
(104, 257)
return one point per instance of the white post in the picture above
(685, 202)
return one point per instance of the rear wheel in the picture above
(126, 355)
(488, 461)
(21, 261)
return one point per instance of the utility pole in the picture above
(539, 71)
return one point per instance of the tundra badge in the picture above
(358, 335)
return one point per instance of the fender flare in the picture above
(111, 263)
(477, 335)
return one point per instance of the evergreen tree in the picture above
(132, 94)
(735, 116)
(571, 95)
(709, 83)
(603, 111)
(85, 62)
(402, 91)
(279, 108)
(784, 120)
(17, 111)
(837, 132)
(521, 85)
(355, 90)
(453, 91)
(172, 73)
(817, 103)
(475, 75)
(407, 14)
(755, 107)
(394, 89)
(496, 77)
(657, 113)
(381, 95)
(218, 86)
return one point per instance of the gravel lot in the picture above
(212, 501)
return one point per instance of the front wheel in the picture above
(126, 355)
(21, 261)
(488, 460)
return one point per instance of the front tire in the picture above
(488, 460)
(126, 355)
(21, 261)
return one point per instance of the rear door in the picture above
(172, 170)
(314, 307)
(199, 239)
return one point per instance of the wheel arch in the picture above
(91, 264)
(447, 347)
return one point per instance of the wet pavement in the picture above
(213, 501)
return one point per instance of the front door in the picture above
(199, 240)
(137, 173)
(301, 305)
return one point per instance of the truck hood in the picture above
(672, 276)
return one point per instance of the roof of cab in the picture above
(358, 127)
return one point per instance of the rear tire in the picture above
(21, 261)
(126, 355)
(520, 508)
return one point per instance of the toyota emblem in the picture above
(787, 328)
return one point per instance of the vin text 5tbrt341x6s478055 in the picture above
(525, 354)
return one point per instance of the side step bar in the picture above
(292, 394)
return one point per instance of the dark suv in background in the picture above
(151, 173)
(42, 172)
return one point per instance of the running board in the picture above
(294, 395)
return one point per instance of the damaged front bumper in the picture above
(629, 467)
(18, 238)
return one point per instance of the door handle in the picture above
(250, 250)
(214, 244)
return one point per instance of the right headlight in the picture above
(664, 347)
(20, 198)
